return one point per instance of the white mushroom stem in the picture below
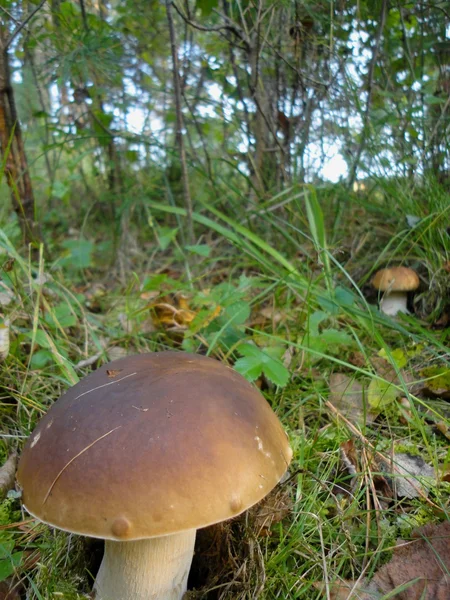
(394, 302)
(153, 569)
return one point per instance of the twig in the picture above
(19, 28)
(230, 28)
(370, 80)
(179, 123)
(83, 15)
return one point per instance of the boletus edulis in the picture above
(144, 451)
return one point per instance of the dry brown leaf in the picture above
(404, 470)
(347, 395)
(9, 589)
(7, 475)
(426, 558)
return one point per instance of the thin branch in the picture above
(370, 81)
(179, 123)
(83, 15)
(19, 28)
(231, 28)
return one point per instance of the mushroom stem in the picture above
(151, 569)
(394, 302)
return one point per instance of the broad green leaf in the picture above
(381, 393)
(40, 359)
(398, 356)
(40, 338)
(200, 249)
(61, 316)
(249, 366)
(334, 337)
(237, 313)
(79, 255)
(166, 235)
(275, 371)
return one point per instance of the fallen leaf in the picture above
(418, 571)
(349, 459)
(9, 589)
(347, 395)
(7, 475)
(426, 558)
(408, 468)
(381, 393)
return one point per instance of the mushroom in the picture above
(395, 282)
(142, 452)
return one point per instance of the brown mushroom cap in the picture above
(150, 445)
(396, 279)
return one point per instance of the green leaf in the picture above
(200, 249)
(40, 338)
(398, 356)
(249, 366)
(60, 190)
(381, 393)
(79, 254)
(154, 283)
(276, 372)
(314, 321)
(237, 313)
(8, 562)
(61, 316)
(40, 359)
(166, 235)
(206, 6)
(250, 350)
(343, 296)
(265, 361)
(334, 337)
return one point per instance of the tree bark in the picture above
(13, 150)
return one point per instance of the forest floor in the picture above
(284, 295)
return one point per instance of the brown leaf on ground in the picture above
(426, 558)
(404, 470)
(347, 395)
(9, 590)
(7, 475)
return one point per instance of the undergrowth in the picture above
(281, 292)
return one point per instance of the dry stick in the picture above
(379, 455)
(179, 123)
(370, 78)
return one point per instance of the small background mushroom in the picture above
(395, 283)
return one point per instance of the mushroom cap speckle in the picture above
(150, 445)
(396, 279)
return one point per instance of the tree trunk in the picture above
(13, 150)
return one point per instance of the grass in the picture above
(291, 277)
